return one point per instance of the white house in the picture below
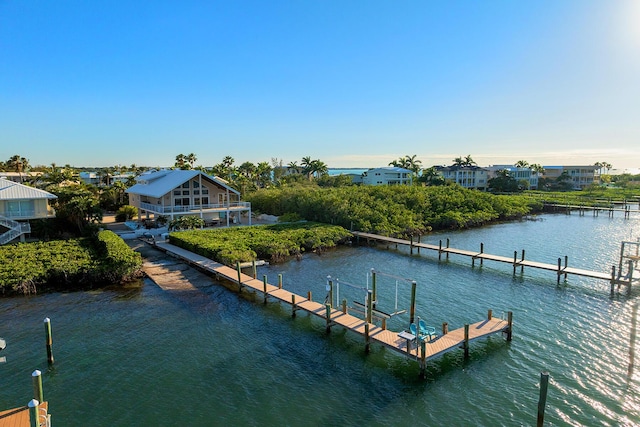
(519, 174)
(175, 193)
(473, 177)
(18, 204)
(387, 176)
(581, 176)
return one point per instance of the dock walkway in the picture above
(371, 333)
(20, 417)
(515, 261)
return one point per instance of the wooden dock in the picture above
(610, 210)
(401, 342)
(19, 417)
(561, 268)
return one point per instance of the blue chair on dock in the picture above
(426, 331)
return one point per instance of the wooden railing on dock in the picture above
(561, 268)
(401, 342)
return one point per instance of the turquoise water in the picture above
(142, 356)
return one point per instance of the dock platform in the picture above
(400, 342)
(561, 269)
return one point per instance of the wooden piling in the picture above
(264, 287)
(239, 274)
(280, 281)
(445, 328)
(327, 308)
(411, 244)
(466, 341)
(419, 238)
(412, 310)
(510, 325)
(255, 270)
(632, 343)
(515, 261)
(33, 412)
(490, 314)
(309, 295)
(542, 401)
(374, 286)
(36, 378)
(559, 269)
(481, 251)
(440, 250)
(369, 306)
(566, 264)
(344, 306)
(330, 286)
(447, 248)
(367, 345)
(522, 265)
(613, 278)
(293, 305)
(423, 358)
(47, 330)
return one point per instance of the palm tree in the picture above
(468, 161)
(263, 174)
(536, 168)
(191, 159)
(18, 164)
(319, 168)
(522, 164)
(307, 168)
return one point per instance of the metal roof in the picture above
(158, 183)
(10, 190)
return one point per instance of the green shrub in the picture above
(126, 213)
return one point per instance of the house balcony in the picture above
(195, 209)
(25, 214)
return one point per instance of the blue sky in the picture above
(352, 83)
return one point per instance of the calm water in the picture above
(142, 356)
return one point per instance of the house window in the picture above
(205, 191)
(176, 192)
(205, 200)
(196, 192)
(196, 201)
(196, 184)
(185, 192)
(185, 185)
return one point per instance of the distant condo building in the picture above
(472, 177)
(521, 175)
(387, 176)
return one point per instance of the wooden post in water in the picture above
(255, 270)
(344, 306)
(632, 344)
(522, 265)
(330, 290)
(293, 305)
(374, 286)
(440, 250)
(630, 277)
(369, 305)
(366, 338)
(411, 244)
(515, 261)
(559, 269)
(542, 401)
(327, 308)
(264, 287)
(33, 412)
(566, 264)
(445, 328)
(47, 330)
(239, 274)
(412, 310)
(280, 281)
(36, 378)
(489, 314)
(466, 341)
(419, 238)
(309, 295)
(423, 358)
(510, 325)
(481, 251)
(447, 248)
(613, 278)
